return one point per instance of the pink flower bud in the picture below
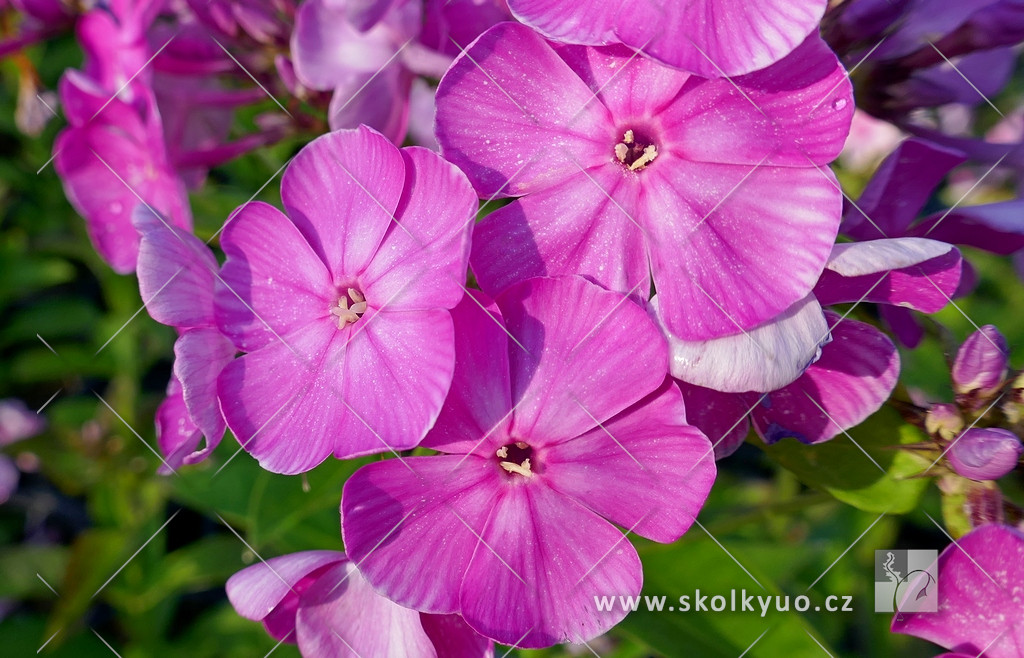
(980, 367)
(985, 453)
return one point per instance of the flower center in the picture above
(515, 458)
(350, 307)
(635, 151)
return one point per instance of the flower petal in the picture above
(341, 191)
(176, 434)
(453, 638)
(994, 227)
(271, 283)
(854, 376)
(378, 99)
(512, 132)
(200, 355)
(913, 272)
(569, 371)
(717, 234)
(722, 417)
(402, 518)
(648, 450)
(765, 358)
(579, 226)
(511, 592)
(422, 260)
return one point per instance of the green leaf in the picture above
(861, 467)
(25, 567)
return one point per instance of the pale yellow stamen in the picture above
(650, 152)
(502, 452)
(345, 313)
(628, 137)
(522, 469)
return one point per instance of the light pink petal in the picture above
(283, 401)
(479, 402)
(579, 226)
(541, 561)
(271, 283)
(981, 603)
(200, 356)
(341, 191)
(718, 233)
(764, 358)
(378, 99)
(395, 372)
(718, 37)
(422, 260)
(405, 518)
(796, 112)
(258, 590)
(722, 417)
(453, 638)
(648, 450)
(569, 371)
(176, 272)
(511, 132)
(913, 272)
(854, 376)
(340, 615)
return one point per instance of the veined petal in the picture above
(200, 354)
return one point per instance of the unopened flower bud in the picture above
(944, 421)
(985, 453)
(980, 367)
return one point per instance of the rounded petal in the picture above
(722, 417)
(853, 378)
(649, 450)
(718, 233)
(421, 263)
(512, 132)
(569, 371)
(994, 227)
(579, 226)
(200, 355)
(765, 358)
(378, 99)
(512, 594)
(403, 518)
(272, 283)
(177, 435)
(453, 638)
(341, 191)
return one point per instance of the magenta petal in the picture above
(994, 227)
(569, 371)
(981, 603)
(272, 283)
(904, 326)
(390, 355)
(257, 591)
(340, 615)
(177, 435)
(200, 356)
(283, 401)
(711, 229)
(378, 99)
(764, 358)
(176, 272)
(649, 450)
(405, 518)
(796, 112)
(453, 638)
(854, 376)
(341, 191)
(911, 272)
(579, 226)
(511, 591)
(422, 260)
(479, 402)
(722, 417)
(514, 133)
(563, 20)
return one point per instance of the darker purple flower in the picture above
(981, 602)
(980, 368)
(985, 453)
(708, 37)
(624, 168)
(552, 433)
(319, 601)
(342, 303)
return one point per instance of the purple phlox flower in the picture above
(319, 601)
(342, 303)
(981, 602)
(263, 21)
(548, 424)
(806, 374)
(42, 19)
(176, 274)
(626, 169)
(708, 37)
(17, 423)
(896, 194)
(980, 368)
(985, 453)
